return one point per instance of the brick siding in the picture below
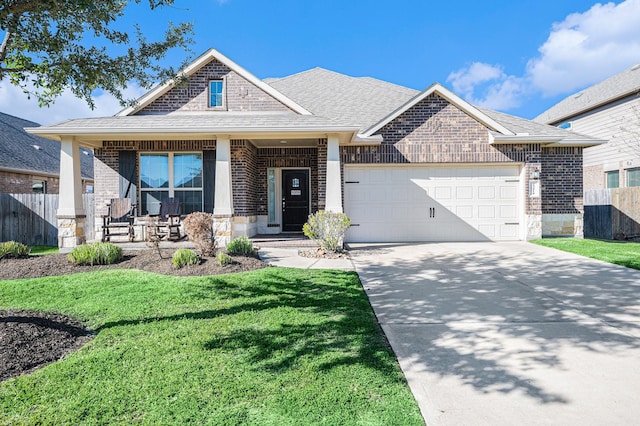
(292, 158)
(561, 178)
(244, 163)
(22, 183)
(192, 95)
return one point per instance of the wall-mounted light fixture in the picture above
(535, 174)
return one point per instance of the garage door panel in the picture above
(400, 203)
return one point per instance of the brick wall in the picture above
(322, 174)
(21, 183)
(244, 163)
(192, 95)
(292, 158)
(561, 177)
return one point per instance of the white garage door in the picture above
(417, 203)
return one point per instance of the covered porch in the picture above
(254, 181)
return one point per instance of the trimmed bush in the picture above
(183, 257)
(223, 259)
(327, 228)
(13, 249)
(199, 227)
(240, 245)
(95, 254)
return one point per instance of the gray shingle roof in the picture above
(609, 90)
(362, 101)
(17, 149)
(202, 122)
(520, 125)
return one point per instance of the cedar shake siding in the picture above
(192, 95)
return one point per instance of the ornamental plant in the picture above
(13, 249)
(184, 257)
(95, 254)
(240, 245)
(202, 232)
(327, 229)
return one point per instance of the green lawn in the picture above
(617, 252)
(39, 250)
(271, 347)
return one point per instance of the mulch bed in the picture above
(29, 340)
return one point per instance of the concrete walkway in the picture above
(509, 333)
(289, 257)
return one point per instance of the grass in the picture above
(275, 346)
(617, 252)
(40, 250)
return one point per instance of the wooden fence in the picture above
(31, 218)
(612, 213)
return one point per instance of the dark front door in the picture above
(295, 199)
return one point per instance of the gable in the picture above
(192, 95)
(434, 120)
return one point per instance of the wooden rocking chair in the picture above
(119, 220)
(168, 224)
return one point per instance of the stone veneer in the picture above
(192, 95)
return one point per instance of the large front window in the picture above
(165, 175)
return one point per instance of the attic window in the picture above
(216, 92)
(566, 125)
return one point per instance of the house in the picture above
(31, 164)
(609, 110)
(261, 155)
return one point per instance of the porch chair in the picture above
(119, 220)
(168, 224)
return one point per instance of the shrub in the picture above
(95, 254)
(327, 228)
(183, 257)
(13, 249)
(240, 245)
(223, 259)
(199, 227)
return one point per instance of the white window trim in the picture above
(224, 94)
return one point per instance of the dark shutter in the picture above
(209, 177)
(128, 177)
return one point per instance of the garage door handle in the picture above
(352, 181)
(432, 212)
(355, 224)
(512, 223)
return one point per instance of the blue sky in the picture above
(517, 57)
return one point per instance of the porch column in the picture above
(334, 179)
(223, 199)
(71, 215)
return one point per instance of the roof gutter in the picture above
(547, 141)
(36, 173)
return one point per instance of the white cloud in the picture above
(487, 86)
(587, 47)
(583, 49)
(14, 102)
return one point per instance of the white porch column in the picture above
(71, 214)
(223, 200)
(333, 191)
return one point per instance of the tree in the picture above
(53, 45)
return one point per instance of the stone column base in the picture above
(222, 225)
(71, 232)
(562, 225)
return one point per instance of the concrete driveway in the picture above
(509, 333)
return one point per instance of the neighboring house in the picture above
(261, 155)
(31, 164)
(609, 110)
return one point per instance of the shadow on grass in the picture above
(341, 329)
